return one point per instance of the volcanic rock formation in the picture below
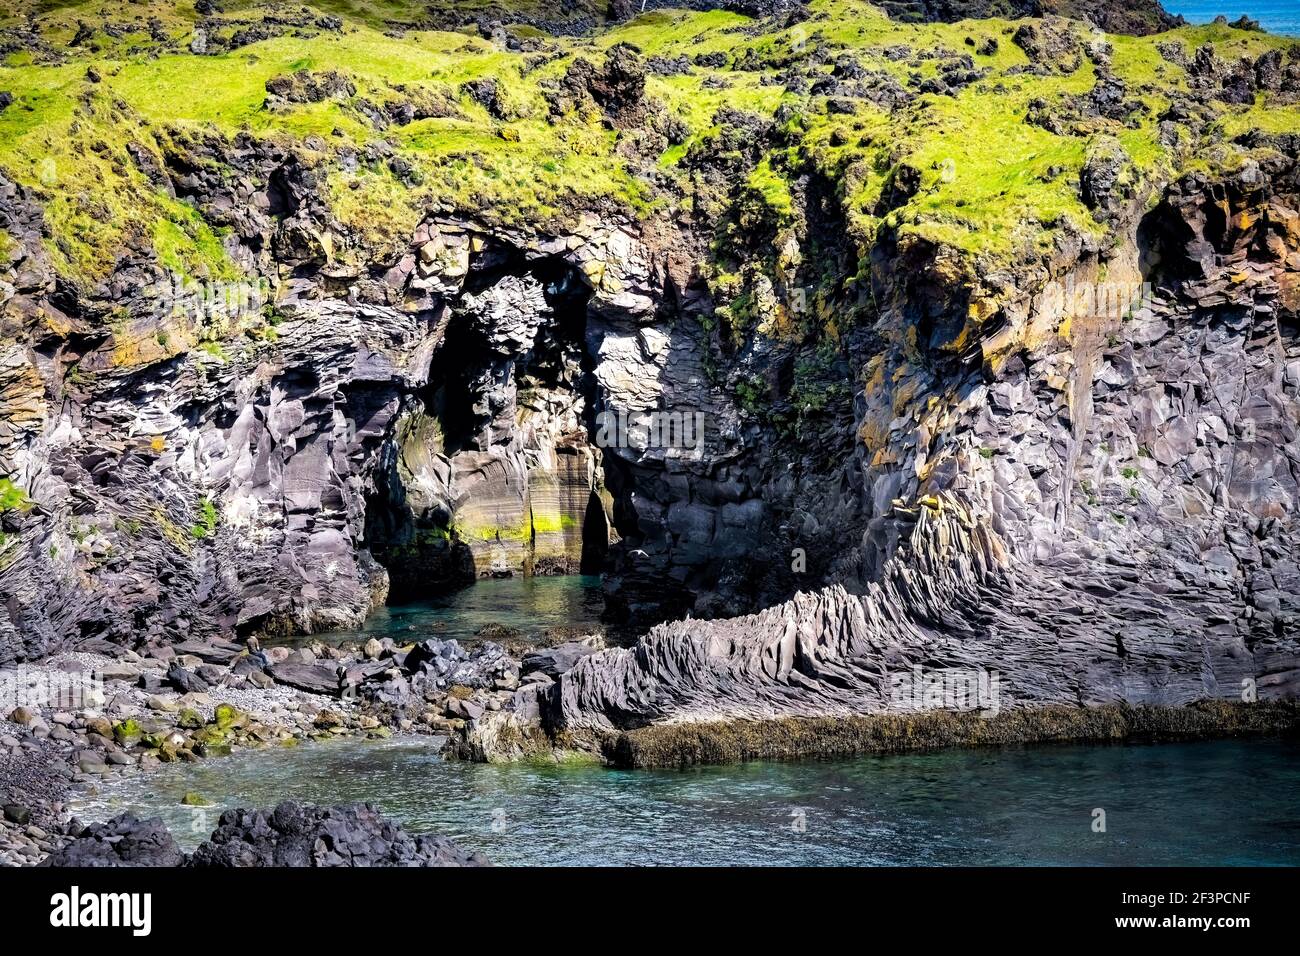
(973, 359)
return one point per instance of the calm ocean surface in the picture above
(1276, 16)
(1216, 803)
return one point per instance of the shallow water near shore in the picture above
(529, 605)
(1228, 802)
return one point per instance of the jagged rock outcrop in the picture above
(125, 840)
(822, 654)
(231, 482)
(291, 835)
(296, 835)
(400, 682)
(317, 439)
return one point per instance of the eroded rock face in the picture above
(214, 492)
(185, 478)
(1099, 514)
(571, 414)
(508, 467)
(494, 471)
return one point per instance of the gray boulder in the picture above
(554, 661)
(313, 678)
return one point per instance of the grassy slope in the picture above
(985, 188)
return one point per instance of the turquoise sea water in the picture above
(528, 605)
(1276, 16)
(1208, 803)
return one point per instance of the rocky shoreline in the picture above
(134, 716)
(503, 711)
(91, 717)
(129, 721)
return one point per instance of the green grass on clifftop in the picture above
(990, 184)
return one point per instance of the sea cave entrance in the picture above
(492, 471)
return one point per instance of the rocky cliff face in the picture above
(212, 493)
(851, 422)
(1102, 516)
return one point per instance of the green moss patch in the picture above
(127, 731)
(990, 186)
(687, 744)
(13, 498)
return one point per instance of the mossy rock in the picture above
(570, 758)
(208, 735)
(189, 719)
(226, 716)
(722, 742)
(153, 741)
(127, 731)
(997, 200)
(192, 799)
(329, 720)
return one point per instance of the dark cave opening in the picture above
(493, 470)
(449, 395)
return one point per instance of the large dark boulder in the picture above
(313, 678)
(125, 840)
(554, 661)
(305, 836)
(292, 834)
(185, 681)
